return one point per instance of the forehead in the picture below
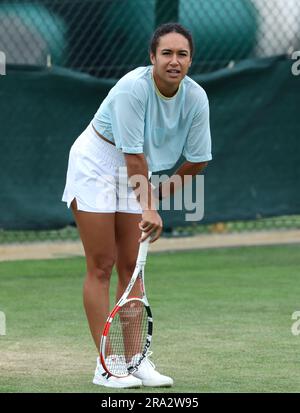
(173, 41)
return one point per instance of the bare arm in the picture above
(187, 170)
(137, 170)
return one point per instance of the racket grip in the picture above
(143, 250)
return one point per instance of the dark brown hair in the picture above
(170, 28)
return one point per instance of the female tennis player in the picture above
(150, 118)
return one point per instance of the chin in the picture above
(174, 80)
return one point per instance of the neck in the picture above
(165, 89)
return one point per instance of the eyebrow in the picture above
(170, 50)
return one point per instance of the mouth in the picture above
(173, 71)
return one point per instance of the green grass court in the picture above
(222, 322)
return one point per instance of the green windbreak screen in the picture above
(255, 133)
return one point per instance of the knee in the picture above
(100, 270)
(125, 269)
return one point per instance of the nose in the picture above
(174, 61)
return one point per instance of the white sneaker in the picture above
(102, 378)
(151, 377)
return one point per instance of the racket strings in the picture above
(127, 337)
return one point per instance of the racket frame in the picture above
(138, 273)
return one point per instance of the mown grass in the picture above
(222, 322)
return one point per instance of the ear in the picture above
(190, 64)
(152, 58)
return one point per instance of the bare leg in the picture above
(127, 235)
(127, 245)
(97, 232)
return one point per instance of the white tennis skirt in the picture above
(97, 177)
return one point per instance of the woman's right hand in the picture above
(151, 225)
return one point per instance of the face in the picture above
(171, 62)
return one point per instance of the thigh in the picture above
(127, 236)
(97, 232)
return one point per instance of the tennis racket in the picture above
(127, 333)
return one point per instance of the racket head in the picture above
(126, 337)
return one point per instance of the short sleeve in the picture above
(197, 147)
(127, 120)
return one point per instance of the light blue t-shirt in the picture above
(139, 119)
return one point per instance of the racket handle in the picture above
(143, 250)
